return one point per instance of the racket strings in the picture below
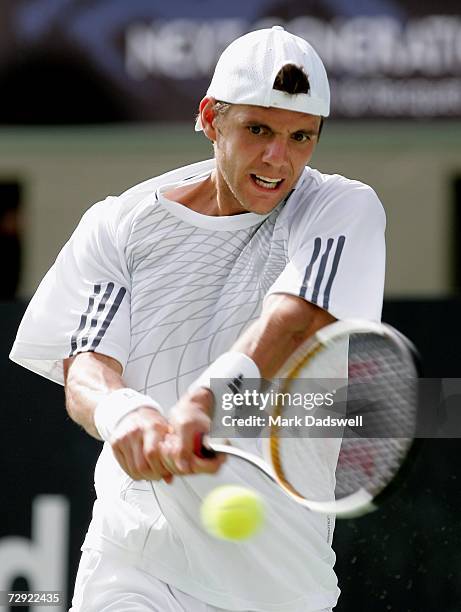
(382, 387)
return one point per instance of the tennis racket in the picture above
(349, 473)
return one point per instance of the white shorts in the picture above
(106, 584)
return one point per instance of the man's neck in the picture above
(207, 197)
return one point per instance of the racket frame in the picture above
(361, 501)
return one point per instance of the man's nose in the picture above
(276, 151)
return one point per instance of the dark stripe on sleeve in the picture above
(321, 272)
(101, 306)
(307, 275)
(334, 269)
(110, 315)
(83, 318)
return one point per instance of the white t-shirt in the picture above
(166, 290)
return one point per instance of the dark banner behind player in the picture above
(67, 61)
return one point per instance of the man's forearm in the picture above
(98, 400)
(286, 321)
(88, 378)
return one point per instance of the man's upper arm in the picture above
(336, 253)
(83, 303)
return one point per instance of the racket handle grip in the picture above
(201, 449)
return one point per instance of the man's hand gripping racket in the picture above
(381, 386)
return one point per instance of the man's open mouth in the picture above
(266, 182)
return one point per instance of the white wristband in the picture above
(229, 371)
(112, 408)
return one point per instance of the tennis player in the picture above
(215, 270)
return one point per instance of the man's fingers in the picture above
(136, 445)
(152, 453)
(170, 449)
(148, 447)
(186, 431)
(208, 466)
(163, 462)
(138, 466)
(188, 418)
(125, 460)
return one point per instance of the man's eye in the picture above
(301, 137)
(255, 129)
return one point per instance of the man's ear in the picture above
(207, 116)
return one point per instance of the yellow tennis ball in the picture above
(231, 512)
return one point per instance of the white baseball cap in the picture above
(246, 71)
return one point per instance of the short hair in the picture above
(290, 78)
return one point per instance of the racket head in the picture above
(350, 474)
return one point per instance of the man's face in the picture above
(260, 154)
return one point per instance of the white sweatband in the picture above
(232, 372)
(113, 407)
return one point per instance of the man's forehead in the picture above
(275, 116)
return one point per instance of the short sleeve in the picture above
(336, 253)
(83, 302)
